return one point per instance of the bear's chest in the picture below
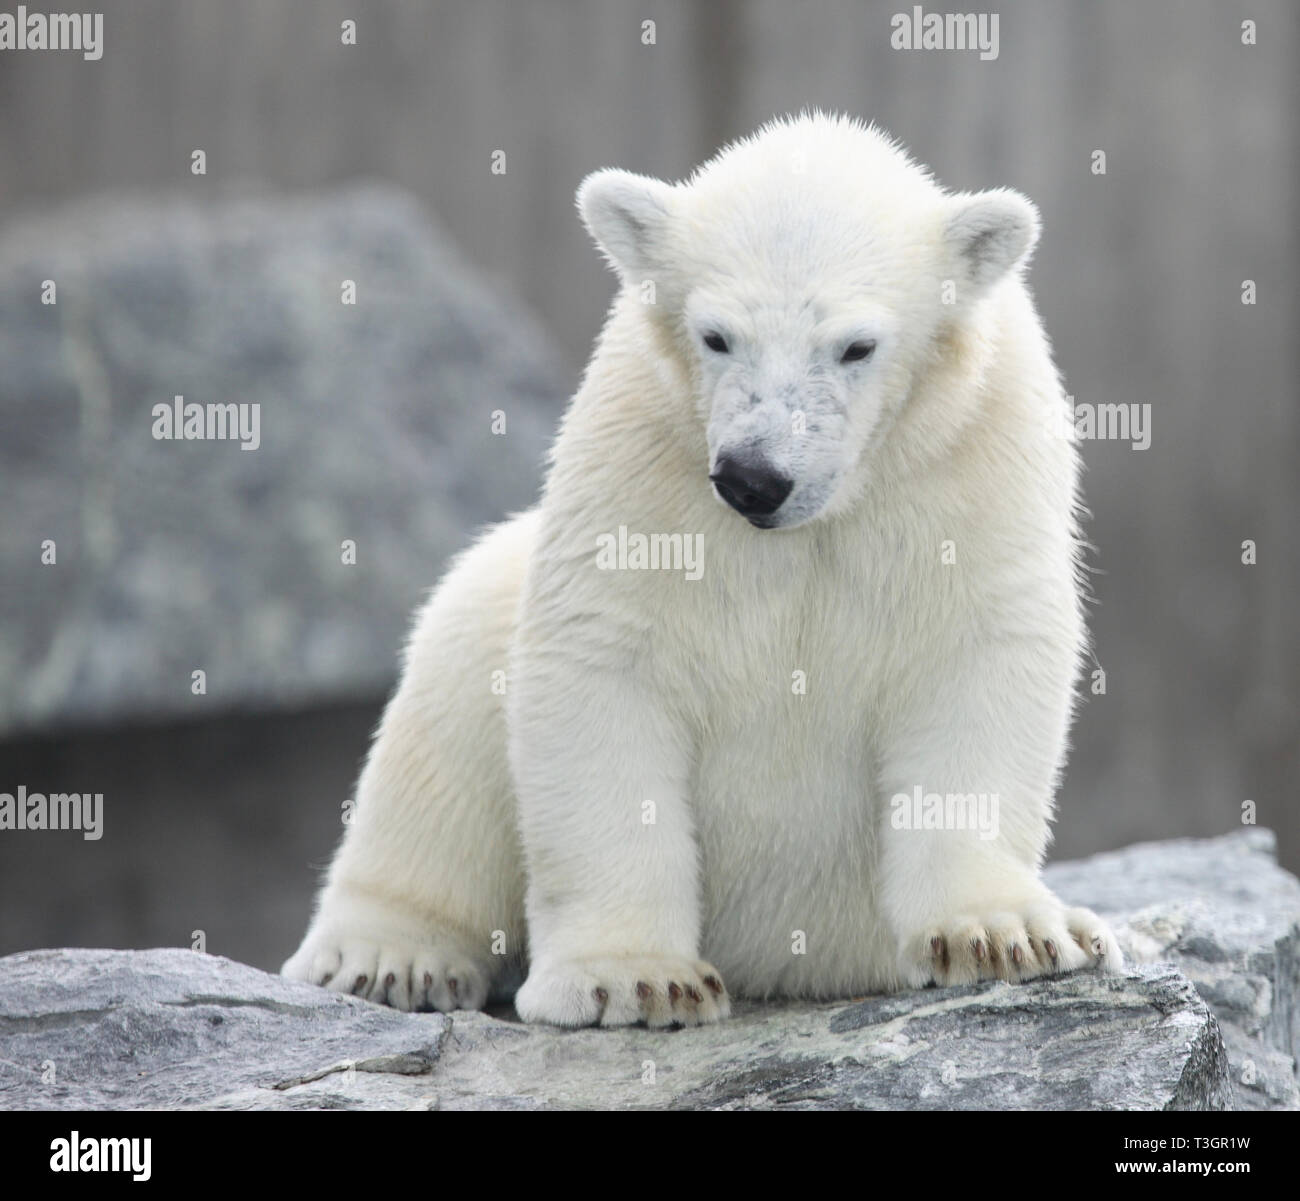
(786, 827)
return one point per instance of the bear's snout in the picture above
(753, 487)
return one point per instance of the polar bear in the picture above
(640, 789)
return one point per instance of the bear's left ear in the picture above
(628, 216)
(990, 233)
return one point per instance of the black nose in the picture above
(753, 488)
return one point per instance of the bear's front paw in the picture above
(1009, 945)
(391, 961)
(621, 991)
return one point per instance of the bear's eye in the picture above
(715, 341)
(859, 351)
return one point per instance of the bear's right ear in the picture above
(991, 234)
(628, 217)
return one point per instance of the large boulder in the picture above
(1226, 915)
(178, 1029)
(85, 1029)
(376, 426)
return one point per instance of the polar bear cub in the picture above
(771, 691)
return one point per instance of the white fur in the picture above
(771, 861)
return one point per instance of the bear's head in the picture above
(807, 279)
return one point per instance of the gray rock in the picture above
(174, 556)
(174, 1028)
(178, 1029)
(1226, 915)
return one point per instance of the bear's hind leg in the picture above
(423, 905)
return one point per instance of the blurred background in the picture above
(380, 162)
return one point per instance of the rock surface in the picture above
(174, 1028)
(175, 556)
(1226, 915)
